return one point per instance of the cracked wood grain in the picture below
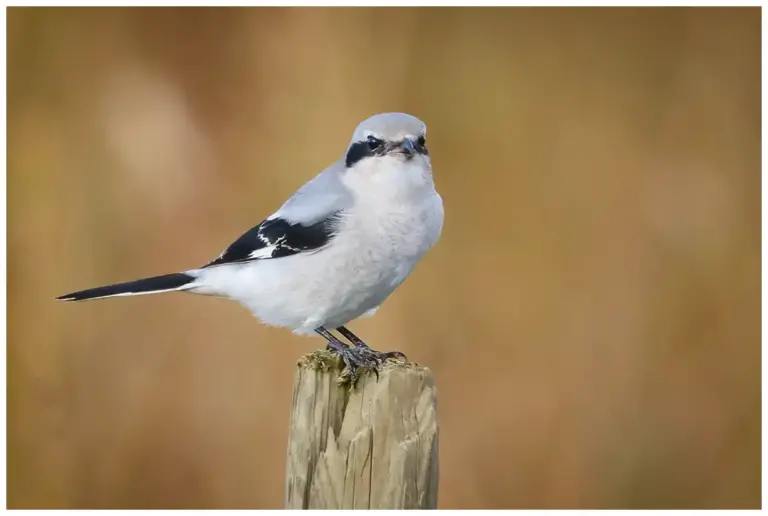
(374, 446)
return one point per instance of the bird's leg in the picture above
(358, 342)
(351, 337)
(334, 344)
(352, 357)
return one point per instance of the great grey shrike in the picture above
(335, 250)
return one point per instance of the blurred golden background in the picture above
(591, 313)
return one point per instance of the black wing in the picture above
(277, 238)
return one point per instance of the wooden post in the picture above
(368, 446)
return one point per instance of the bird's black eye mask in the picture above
(373, 146)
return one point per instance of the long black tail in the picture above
(166, 283)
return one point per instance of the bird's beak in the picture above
(405, 147)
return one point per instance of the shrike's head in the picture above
(394, 137)
(389, 148)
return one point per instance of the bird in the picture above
(335, 250)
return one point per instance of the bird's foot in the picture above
(358, 342)
(356, 358)
(379, 356)
(365, 349)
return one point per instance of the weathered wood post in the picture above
(371, 446)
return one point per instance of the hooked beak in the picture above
(405, 147)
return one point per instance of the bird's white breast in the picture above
(377, 245)
(395, 217)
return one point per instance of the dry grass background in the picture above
(591, 312)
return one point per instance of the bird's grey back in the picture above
(319, 198)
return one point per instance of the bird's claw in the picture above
(355, 357)
(354, 360)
